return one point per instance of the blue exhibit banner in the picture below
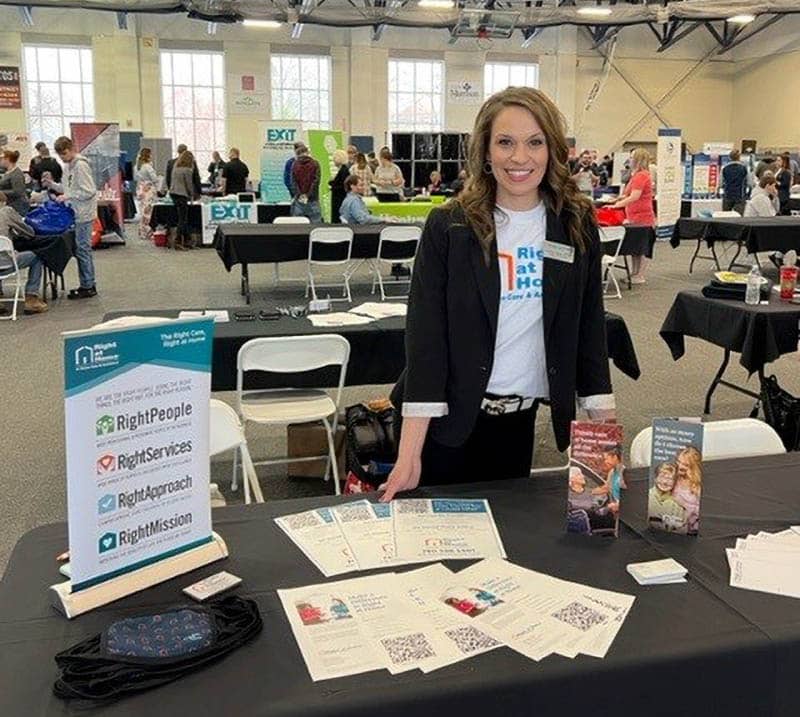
(277, 146)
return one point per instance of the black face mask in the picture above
(137, 653)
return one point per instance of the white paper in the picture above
(338, 319)
(317, 534)
(378, 310)
(367, 528)
(656, 570)
(764, 576)
(435, 529)
(220, 316)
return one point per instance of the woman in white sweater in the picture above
(146, 186)
(764, 199)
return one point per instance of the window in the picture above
(193, 98)
(301, 89)
(416, 96)
(499, 75)
(58, 89)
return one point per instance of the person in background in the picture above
(12, 183)
(287, 168)
(195, 174)
(584, 174)
(12, 224)
(182, 191)
(80, 192)
(352, 152)
(784, 180)
(436, 182)
(362, 169)
(336, 184)
(373, 162)
(353, 209)
(43, 162)
(637, 201)
(215, 168)
(734, 184)
(388, 177)
(234, 174)
(457, 186)
(146, 185)
(305, 186)
(764, 199)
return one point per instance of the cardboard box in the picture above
(308, 439)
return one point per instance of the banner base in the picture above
(74, 604)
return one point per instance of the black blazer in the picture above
(452, 325)
(338, 192)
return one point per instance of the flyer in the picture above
(317, 534)
(367, 528)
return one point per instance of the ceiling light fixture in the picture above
(437, 4)
(594, 11)
(272, 24)
(742, 19)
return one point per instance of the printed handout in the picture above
(317, 534)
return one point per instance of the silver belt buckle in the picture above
(494, 407)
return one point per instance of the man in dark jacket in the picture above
(234, 174)
(305, 186)
(734, 184)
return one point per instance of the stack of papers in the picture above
(767, 562)
(363, 535)
(219, 316)
(429, 618)
(658, 572)
(338, 318)
(379, 310)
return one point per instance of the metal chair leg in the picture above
(235, 478)
(332, 454)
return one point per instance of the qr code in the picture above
(301, 520)
(408, 648)
(580, 616)
(411, 506)
(469, 639)
(353, 513)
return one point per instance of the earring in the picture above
(487, 167)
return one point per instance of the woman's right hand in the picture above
(404, 476)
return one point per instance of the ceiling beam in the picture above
(26, 15)
(674, 38)
(739, 40)
(529, 34)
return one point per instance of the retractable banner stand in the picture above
(701, 176)
(226, 211)
(99, 143)
(137, 425)
(277, 146)
(323, 143)
(669, 180)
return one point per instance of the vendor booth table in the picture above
(377, 349)
(694, 649)
(760, 333)
(165, 214)
(414, 210)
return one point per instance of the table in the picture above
(247, 244)
(694, 207)
(377, 349)
(55, 251)
(732, 652)
(414, 209)
(166, 215)
(760, 333)
(757, 234)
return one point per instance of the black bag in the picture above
(370, 441)
(782, 412)
(136, 653)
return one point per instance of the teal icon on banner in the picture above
(104, 424)
(107, 542)
(106, 504)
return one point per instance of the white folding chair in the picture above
(609, 235)
(324, 243)
(9, 257)
(293, 355)
(287, 220)
(226, 433)
(406, 242)
(736, 438)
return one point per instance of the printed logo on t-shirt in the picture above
(521, 273)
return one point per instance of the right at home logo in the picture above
(99, 355)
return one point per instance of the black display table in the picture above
(166, 215)
(694, 650)
(760, 333)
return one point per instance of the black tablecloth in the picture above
(166, 215)
(759, 333)
(759, 234)
(377, 349)
(54, 250)
(695, 649)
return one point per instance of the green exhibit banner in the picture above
(322, 143)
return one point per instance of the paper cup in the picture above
(788, 282)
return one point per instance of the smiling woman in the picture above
(506, 306)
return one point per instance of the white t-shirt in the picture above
(519, 355)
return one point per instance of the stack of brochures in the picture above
(658, 572)
(431, 617)
(767, 562)
(365, 536)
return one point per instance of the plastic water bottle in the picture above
(752, 295)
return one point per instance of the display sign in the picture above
(464, 92)
(225, 211)
(700, 176)
(99, 143)
(137, 424)
(277, 146)
(323, 143)
(10, 93)
(248, 95)
(669, 180)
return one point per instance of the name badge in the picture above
(559, 252)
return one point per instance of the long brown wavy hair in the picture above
(558, 190)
